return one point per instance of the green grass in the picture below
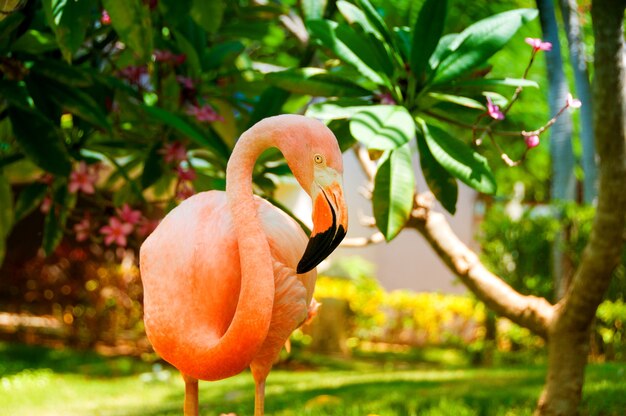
(46, 382)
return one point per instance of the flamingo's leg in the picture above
(259, 398)
(191, 396)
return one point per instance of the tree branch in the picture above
(528, 311)
(363, 241)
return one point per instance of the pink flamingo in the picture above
(227, 276)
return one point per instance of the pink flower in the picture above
(531, 141)
(538, 44)
(174, 152)
(82, 229)
(83, 178)
(188, 174)
(386, 99)
(494, 110)
(186, 82)
(134, 74)
(129, 215)
(573, 102)
(169, 57)
(46, 204)
(105, 19)
(204, 113)
(116, 232)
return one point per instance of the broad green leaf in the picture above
(63, 73)
(40, 140)
(479, 42)
(174, 11)
(383, 127)
(193, 59)
(62, 203)
(69, 20)
(326, 32)
(336, 109)
(313, 9)
(7, 26)
(270, 104)
(131, 21)
(341, 128)
(15, 94)
(353, 15)
(222, 54)
(403, 37)
(460, 160)
(316, 82)
(443, 49)
(457, 99)
(394, 187)
(168, 118)
(376, 20)
(208, 14)
(426, 35)
(153, 167)
(35, 42)
(370, 49)
(439, 181)
(490, 82)
(29, 198)
(6, 213)
(78, 103)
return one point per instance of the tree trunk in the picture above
(568, 334)
(583, 92)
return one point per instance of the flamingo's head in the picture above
(313, 155)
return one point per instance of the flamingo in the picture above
(227, 276)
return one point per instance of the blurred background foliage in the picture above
(113, 112)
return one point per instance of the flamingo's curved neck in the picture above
(256, 297)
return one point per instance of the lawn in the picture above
(46, 382)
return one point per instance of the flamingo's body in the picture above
(221, 287)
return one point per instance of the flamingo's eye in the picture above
(319, 159)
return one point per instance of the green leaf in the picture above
(6, 213)
(193, 59)
(326, 32)
(78, 103)
(383, 127)
(174, 11)
(439, 181)
(316, 82)
(270, 104)
(426, 35)
(29, 198)
(7, 26)
(61, 72)
(442, 50)
(168, 118)
(457, 99)
(313, 9)
(353, 14)
(35, 42)
(479, 42)
(460, 160)
(491, 82)
(370, 49)
(40, 140)
(208, 14)
(394, 187)
(222, 54)
(131, 21)
(15, 94)
(54, 224)
(336, 109)
(376, 20)
(69, 20)
(153, 167)
(403, 37)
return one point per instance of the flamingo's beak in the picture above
(330, 223)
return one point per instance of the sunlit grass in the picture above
(38, 381)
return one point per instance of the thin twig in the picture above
(363, 241)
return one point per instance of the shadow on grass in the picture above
(15, 358)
